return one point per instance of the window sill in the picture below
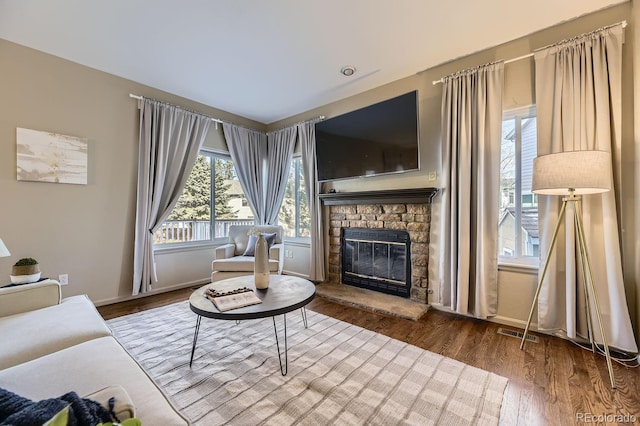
(183, 247)
(299, 241)
(520, 266)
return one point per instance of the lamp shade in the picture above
(4, 251)
(584, 172)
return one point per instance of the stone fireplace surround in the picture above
(408, 209)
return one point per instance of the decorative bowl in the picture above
(25, 279)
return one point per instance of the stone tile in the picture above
(374, 301)
(343, 209)
(394, 208)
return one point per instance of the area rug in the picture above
(339, 374)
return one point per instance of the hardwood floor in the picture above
(553, 382)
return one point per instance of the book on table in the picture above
(233, 299)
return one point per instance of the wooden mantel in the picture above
(390, 196)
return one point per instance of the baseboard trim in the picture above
(179, 286)
(512, 322)
(498, 319)
(295, 274)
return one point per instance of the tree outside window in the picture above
(294, 214)
(212, 181)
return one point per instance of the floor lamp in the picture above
(572, 174)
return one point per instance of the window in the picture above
(294, 214)
(529, 200)
(212, 185)
(518, 220)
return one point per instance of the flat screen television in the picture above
(378, 139)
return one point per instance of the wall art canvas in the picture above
(51, 157)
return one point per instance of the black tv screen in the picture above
(378, 139)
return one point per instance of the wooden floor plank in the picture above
(552, 382)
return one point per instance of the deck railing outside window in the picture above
(183, 231)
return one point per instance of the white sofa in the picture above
(230, 262)
(51, 346)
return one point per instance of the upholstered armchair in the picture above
(231, 260)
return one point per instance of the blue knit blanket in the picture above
(16, 410)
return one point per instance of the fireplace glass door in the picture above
(377, 259)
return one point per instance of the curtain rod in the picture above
(318, 118)
(217, 120)
(141, 98)
(508, 61)
(528, 55)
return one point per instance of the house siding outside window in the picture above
(518, 239)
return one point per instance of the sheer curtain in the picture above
(579, 95)
(471, 136)
(307, 137)
(280, 145)
(170, 139)
(248, 149)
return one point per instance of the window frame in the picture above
(297, 159)
(213, 241)
(518, 261)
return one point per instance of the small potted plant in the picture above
(25, 270)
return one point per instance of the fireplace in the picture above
(406, 215)
(377, 259)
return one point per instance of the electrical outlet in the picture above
(433, 176)
(63, 279)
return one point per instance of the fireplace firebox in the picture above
(377, 259)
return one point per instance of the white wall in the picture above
(300, 257)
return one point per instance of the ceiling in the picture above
(268, 60)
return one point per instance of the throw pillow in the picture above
(251, 245)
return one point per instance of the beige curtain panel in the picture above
(170, 139)
(307, 140)
(578, 97)
(280, 145)
(468, 237)
(248, 150)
